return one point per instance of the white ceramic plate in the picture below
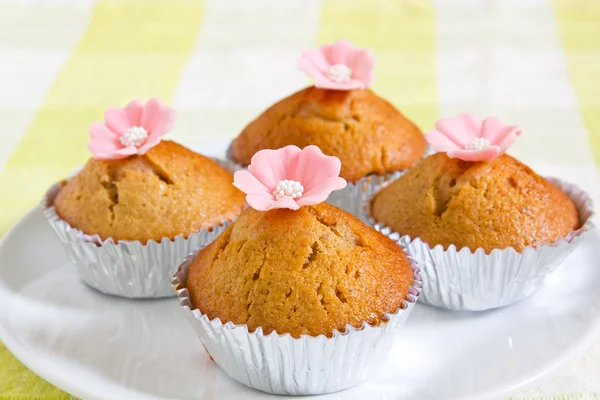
(100, 347)
(95, 346)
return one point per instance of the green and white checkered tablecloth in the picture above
(535, 63)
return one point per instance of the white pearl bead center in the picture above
(287, 188)
(339, 73)
(479, 144)
(134, 136)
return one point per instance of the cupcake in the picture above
(297, 296)
(140, 205)
(485, 228)
(340, 115)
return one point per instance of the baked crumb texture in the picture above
(310, 271)
(491, 205)
(363, 130)
(167, 192)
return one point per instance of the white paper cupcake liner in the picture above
(281, 364)
(126, 268)
(475, 281)
(352, 197)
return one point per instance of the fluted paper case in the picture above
(127, 268)
(281, 364)
(459, 279)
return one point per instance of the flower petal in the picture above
(491, 127)
(262, 202)
(100, 132)
(126, 151)
(157, 118)
(97, 147)
(362, 64)
(249, 184)
(508, 138)
(314, 168)
(272, 166)
(285, 202)
(326, 83)
(116, 120)
(150, 143)
(134, 111)
(339, 52)
(290, 155)
(319, 193)
(461, 129)
(313, 63)
(440, 142)
(476, 155)
(113, 154)
(103, 142)
(499, 134)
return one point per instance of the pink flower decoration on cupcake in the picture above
(131, 130)
(338, 66)
(289, 178)
(468, 138)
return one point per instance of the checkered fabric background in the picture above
(535, 63)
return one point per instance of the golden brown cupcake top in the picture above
(360, 128)
(491, 205)
(310, 271)
(167, 192)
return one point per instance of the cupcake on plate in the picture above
(340, 115)
(297, 296)
(140, 205)
(484, 227)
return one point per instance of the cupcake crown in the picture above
(289, 178)
(468, 138)
(134, 129)
(338, 66)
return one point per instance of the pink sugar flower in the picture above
(470, 139)
(289, 178)
(131, 130)
(338, 66)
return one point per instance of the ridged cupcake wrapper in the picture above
(352, 197)
(476, 281)
(126, 268)
(281, 364)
